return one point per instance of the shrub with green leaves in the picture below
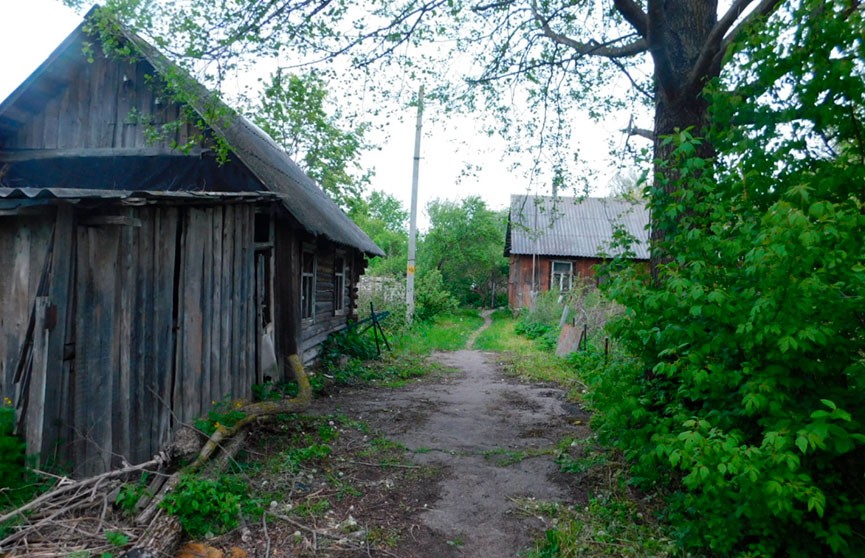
(432, 298)
(16, 481)
(11, 450)
(356, 342)
(745, 393)
(208, 506)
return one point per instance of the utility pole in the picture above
(412, 228)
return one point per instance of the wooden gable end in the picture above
(80, 99)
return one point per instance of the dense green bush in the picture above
(541, 321)
(18, 482)
(745, 394)
(12, 466)
(431, 297)
(356, 342)
(208, 506)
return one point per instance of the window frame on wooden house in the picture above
(308, 271)
(341, 281)
(557, 277)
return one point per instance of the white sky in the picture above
(31, 29)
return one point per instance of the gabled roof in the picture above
(254, 149)
(574, 227)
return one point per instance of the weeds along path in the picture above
(494, 439)
(488, 321)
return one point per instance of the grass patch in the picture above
(379, 536)
(524, 357)
(392, 370)
(505, 457)
(383, 452)
(443, 333)
(312, 508)
(616, 521)
(500, 336)
(610, 525)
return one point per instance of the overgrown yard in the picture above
(483, 452)
(487, 453)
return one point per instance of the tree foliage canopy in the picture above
(465, 244)
(383, 218)
(746, 392)
(525, 62)
(292, 111)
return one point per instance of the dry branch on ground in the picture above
(75, 515)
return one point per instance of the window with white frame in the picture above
(340, 273)
(307, 284)
(562, 276)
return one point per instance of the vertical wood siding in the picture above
(107, 104)
(520, 276)
(24, 245)
(141, 326)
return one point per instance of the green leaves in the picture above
(464, 244)
(292, 111)
(207, 506)
(752, 329)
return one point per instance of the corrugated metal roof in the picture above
(308, 203)
(575, 227)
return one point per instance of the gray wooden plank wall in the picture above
(134, 336)
(101, 109)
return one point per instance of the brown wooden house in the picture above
(553, 242)
(139, 282)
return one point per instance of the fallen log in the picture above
(163, 532)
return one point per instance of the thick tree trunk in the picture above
(678, 34)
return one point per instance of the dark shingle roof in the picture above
(574, 227)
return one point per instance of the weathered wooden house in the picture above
(140, 282)
(553, 242)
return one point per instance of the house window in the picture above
(562, 276)
(339, 275)
(307, 285)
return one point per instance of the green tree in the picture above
(292, 111)
(745, 396)
(466, 244)
(382, 217)
(540, 55)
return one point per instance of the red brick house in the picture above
(554, 241)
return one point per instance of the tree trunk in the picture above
(678, 34)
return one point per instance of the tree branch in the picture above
(716, 44)
(763, 9)
(634, 83)
(491, 6)
(591, 48)
(641, 132)
(634, 15)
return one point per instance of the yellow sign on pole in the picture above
(411, 269)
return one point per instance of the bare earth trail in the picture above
(491, 436)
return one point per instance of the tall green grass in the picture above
(526, 358)
(442, 333)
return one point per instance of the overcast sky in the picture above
(31, 29)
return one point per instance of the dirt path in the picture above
(491, 437)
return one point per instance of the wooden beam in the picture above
(13, 156)
(120, 220)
